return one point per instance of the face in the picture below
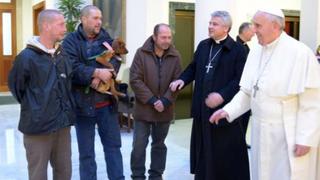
(57, 28)
(265, 29)
(163, 39)
(217, 29)
(92, 22)
(248, 34)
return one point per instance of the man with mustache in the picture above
(93, 108)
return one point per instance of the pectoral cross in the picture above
(209, 66)
(255, 89)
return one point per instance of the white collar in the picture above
(219, 40)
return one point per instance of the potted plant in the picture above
(71, 12)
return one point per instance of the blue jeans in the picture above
(109, 132)
(142, 131)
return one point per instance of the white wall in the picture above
(309, 30)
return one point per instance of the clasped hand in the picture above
(214, 100)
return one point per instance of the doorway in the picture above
(292, 23)
(182, 23)
(36, 11)
(7, 40)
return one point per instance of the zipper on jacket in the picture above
(159, 61)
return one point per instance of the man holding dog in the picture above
(154, 66)
(93, 108)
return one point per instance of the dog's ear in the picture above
(116, 44)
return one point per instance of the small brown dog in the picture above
(119, 48)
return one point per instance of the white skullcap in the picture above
(272, 11)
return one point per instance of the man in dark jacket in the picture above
(245, 35)
(155, 65)
(93, 108)
(218, 152)
(40, 80)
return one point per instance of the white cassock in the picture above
(285, 109)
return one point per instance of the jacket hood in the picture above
(35, 42)
(148, 46)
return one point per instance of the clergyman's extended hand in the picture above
(176, 85)
(218, 115)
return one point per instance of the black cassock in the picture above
(218, 152)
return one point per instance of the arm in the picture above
(308, 123)
(170, 96)
(232, 87)
(238, 105)
(19, 77)
(82, 73)
(188, 75)
(141, 91)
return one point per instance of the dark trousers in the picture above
(54, 148)
(109, 132)
(142, 131)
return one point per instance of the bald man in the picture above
(40, 80)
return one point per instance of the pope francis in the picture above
(281, 85)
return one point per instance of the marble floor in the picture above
(13, 165)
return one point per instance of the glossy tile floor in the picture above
(13, 165)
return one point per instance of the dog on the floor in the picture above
(119, 48)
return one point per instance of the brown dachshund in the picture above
(119, 48)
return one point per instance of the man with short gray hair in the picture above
(218, 152)
(281, 85)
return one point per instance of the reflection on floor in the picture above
(13, 164)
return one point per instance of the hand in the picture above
(301, 150)
(95, 83)
(214, 99)
(176, 85)
(104, 74)
(158, 105)
(218, 115)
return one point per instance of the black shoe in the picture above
(248, 146)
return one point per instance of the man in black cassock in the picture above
(218, 152)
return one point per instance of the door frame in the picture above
(36, 9)
(6, 61)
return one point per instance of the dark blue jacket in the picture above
(80, 49)
(41, 83)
